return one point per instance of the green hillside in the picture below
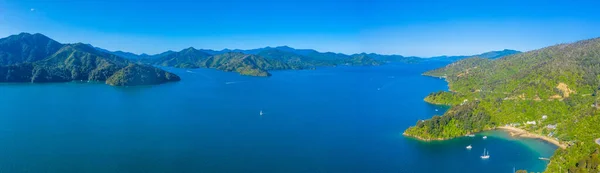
(35, 59)
(25, 47)
(244, 64)
(260, 63)
(186, 58)
(134, 74)
(251, 65)
(295, 61)
(558, 82)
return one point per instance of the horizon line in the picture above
(234, 49)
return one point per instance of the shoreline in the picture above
(512, 131)
(423, 139)
(442, 139)
(517, 132)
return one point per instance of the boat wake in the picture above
(233, 82)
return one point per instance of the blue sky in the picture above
(405, 27)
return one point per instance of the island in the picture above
(35, 58)
(550, 93)
(255, 64)
(259, 62)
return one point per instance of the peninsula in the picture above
(550, 93)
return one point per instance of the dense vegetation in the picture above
(295, 61)
(186, 58)
(37, 58)
(279, 58)
(445, 98)
(26, 48)
(140, 74)
(244, 64)
(588, 163)
(257, 64)
(460, 120)
(555, 87)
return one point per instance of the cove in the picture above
(335, 119)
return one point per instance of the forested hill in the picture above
(315, 55)
(36, 58)
(256, 64)
(282, 58)
(555, 87)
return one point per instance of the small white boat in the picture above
(486, 154)
(484, 137)
(261, 113)
(471, 135)
(469, 147)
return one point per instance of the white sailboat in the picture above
(261, 113)
(486, 154)
(469, 147)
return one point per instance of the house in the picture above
(531, 122)
(544, 117)
(464, 101)
(513, 124)
(551, 126)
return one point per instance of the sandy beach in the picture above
(517, 132)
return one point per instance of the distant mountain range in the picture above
(36, 58)
(262, 60)
(289, 51)
(488, 55)
(254, 62)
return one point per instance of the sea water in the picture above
(333, 119)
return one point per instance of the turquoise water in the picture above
(344, 119)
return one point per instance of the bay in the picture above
(336, 119)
